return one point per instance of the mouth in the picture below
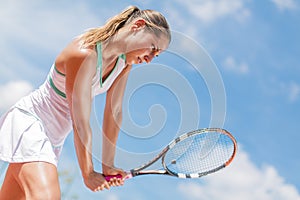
(139, 60)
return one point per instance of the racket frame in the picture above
(166, 171)
(140, 170)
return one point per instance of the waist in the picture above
(49, 108)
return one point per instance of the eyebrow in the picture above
(156, 48)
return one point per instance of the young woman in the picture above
(33, 131)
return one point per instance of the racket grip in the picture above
(107, 178)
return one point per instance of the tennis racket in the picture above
(192, 155)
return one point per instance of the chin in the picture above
(131, 62)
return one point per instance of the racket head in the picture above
(199, 153)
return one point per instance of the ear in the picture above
(138, 24)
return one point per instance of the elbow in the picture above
(117, 114)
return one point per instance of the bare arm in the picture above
(112, 120)
(80, 70)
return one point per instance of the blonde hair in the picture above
(154, 20)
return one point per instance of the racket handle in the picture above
(107, 178)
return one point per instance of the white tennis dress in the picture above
(35, 128)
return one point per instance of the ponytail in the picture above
(154, 20)
(94, 35)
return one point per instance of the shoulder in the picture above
(79, 53)
(74, 54)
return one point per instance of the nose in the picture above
(148, 58)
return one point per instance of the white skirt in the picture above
(35, 128)
(23, 139)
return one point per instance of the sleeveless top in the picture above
(49, 105)
(57, 79)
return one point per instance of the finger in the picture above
(114, 181)
(106, 185)
(97, 189)
(120, 181)
(117, 182)
(102, 187)
(112, 184)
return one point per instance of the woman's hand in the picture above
(95, 181)
(111, 171)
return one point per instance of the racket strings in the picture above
(200, 153)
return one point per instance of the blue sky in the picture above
(232, 63)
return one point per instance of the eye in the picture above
(154, 50)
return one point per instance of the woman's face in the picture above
(144, 45)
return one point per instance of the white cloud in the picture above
(44, 25)
(31, 26)
(291, 90)
(12, 91)
(288, 90)
(112, 197)
(211, 10)
(285, 4)
(294, 92)
(231, 64)
(241, 180)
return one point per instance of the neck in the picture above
(114, 46)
